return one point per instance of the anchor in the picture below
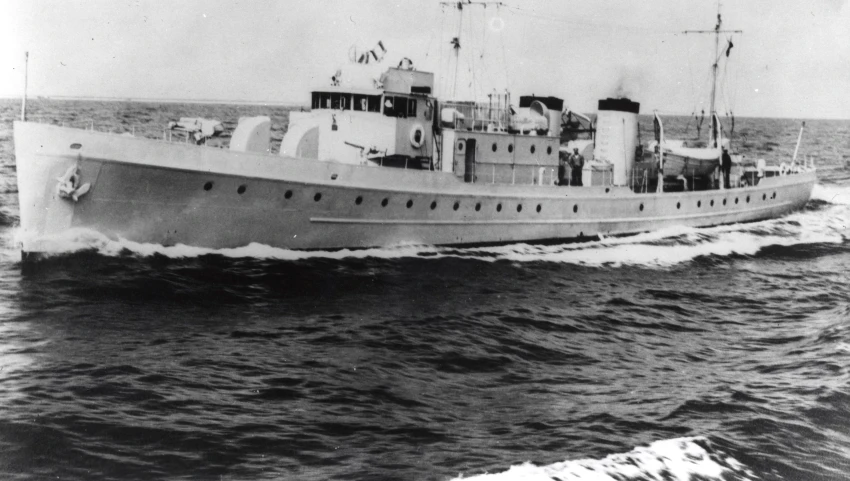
(69, 185)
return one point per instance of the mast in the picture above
(714, 127)
(714, 69)
(456, 40)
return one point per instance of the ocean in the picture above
(682, 354)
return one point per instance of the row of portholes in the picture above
(699, 202)
(456, 206)
(239, 190)
(359, 200)
(461, 146)
(385, 201)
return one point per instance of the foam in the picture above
(676, 459)
(833, 194)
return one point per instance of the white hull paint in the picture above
(150, 191)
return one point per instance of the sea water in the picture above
(717, 353)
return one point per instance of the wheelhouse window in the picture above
(328, 100)
(340, 101)
(367, 103)
(321, 100)
(399, 106)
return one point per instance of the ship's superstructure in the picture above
(382, 161)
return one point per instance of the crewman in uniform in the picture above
(726, 167)
(563, 173)
(577, 164)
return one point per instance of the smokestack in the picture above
(617, 136)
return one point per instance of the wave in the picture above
(662, 248)
(673, 459)
(831, 194)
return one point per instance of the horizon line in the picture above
(159, 100)
(273, 103)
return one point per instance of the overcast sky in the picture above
(793, 59)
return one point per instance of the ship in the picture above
(387, 162)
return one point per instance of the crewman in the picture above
(726, 167)
(577, 163)
(563, 173)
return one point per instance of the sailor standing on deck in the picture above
(726, 167)
(577, 163)
(563, 173)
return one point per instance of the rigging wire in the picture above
(693, 96)
(504, 59)
(457, 47)
(619, 27)
(470, 65)
(441, 47)
(481, 61)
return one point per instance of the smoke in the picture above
(629, 83)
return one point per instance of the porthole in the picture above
(773, 196)
(519, 207)
(498, 207)
(288, 194)
(385, 202)
(456, 206)
(764, 197)
(76, 146)
(241, 190)
(724, 201)
(461, 145)
(748, 199)
(607, 189)
(549, 150)
(510, 147)
(711, 203)
(532, 149)
(208, 186)
(641, 207)
(433, 205)
(539, 208)
(409, 204)
(736, 200)
(678, 205)
(477, 207)
(699, 204)
(358, 200)
(494, 147)
(317, 197)
(575, 208)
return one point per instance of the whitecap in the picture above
(678, 459)
(833, 194)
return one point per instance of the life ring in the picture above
(783, 168)
(417, 135)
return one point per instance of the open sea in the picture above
(682, 354)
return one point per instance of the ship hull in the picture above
(149, 191)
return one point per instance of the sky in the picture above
(792, 59)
